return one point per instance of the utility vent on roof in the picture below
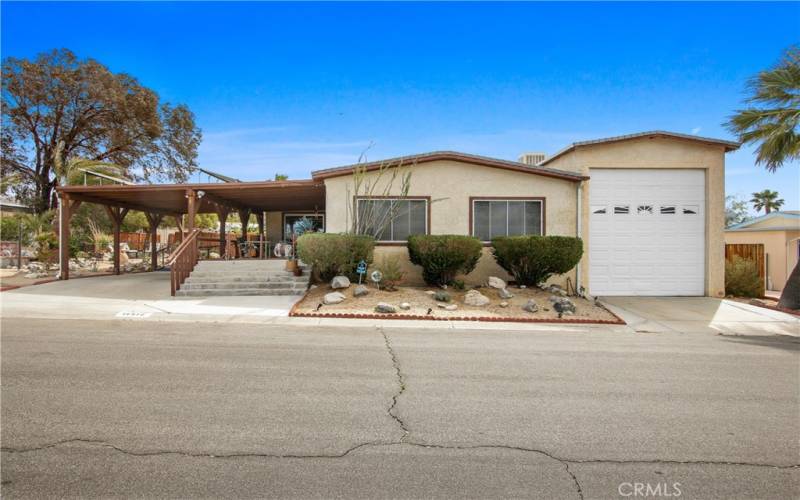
(532, 158)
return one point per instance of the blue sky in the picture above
(296, 87)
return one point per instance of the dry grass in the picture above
(420, 303)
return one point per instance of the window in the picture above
(598, 209)
(668, 209)
(492, 218)
(690, 209)
(644, 209)
(621, 209)
(393, 219)
(317, 221)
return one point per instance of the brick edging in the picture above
(293, 312)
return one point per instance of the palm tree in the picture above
(72, 170)
(772, 121)
(767, 201)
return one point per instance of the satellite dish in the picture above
(376, 276)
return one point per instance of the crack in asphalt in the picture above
(400, 382)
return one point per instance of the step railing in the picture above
(182, 261)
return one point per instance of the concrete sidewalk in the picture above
(145, 297)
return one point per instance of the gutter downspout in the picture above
(579, 231)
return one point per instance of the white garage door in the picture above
(647, 232)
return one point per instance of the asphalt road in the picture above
(147, 409)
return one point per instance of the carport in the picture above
(179, 200)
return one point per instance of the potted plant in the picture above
(298, 228)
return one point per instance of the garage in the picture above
(647, 231)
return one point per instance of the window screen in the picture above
(393, 219)
(492, 218)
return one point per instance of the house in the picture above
(648, 206)
(779, 232)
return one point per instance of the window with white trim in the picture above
(493, 218)
(393, 219)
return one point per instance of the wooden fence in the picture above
(749, 251)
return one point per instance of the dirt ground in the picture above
(768, 302)
(421, 302)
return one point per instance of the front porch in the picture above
(273, 204)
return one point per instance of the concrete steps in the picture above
(242, 277)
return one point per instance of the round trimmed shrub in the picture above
(332, 254)
(444, 256)
(533, 259)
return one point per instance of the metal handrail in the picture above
(182, 261)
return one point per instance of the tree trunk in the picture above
(790, 296)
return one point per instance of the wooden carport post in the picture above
(153, 220)
(244, 217)
(67, 210)
(191, 209)
(261, 238)
(222, 214)
(117, 215)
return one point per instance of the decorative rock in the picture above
(505, 294)
(504, 304)
(476, 298)
(442, 296)
(430, 292)
(530, 306)
(557, 290)
(360, 291)
(213, 255)
(522, 287)
(564, 306)
(333, 298)
(340, 282)
(385, 308)
(448, 307)
(496, 282)
(35, 267)
(405, 306)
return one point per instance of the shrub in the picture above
(533, 259)
(742, 279)
(392, 272)
(47, 248)
(442, 257)
(332, 254)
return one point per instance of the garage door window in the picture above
(499, 217)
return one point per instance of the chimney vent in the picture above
(532, 158)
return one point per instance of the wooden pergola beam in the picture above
(68, 207)
(117, 215)
(112, 203)
(154, 220)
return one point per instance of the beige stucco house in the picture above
(649, 207)
(779, 232)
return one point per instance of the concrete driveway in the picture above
(700, 315)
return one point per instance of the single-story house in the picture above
(779, 232)
(648, 206)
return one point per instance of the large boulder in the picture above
(476, 299)
(530, 306)
(340, 282)
(385, 308)
(360, 291)
(496, 282)
(564, 306)
(333, 298)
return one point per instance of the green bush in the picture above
(332, 254)
(533, 259)
(9, 229)
(742, 279)
(443, 257)
(47, 248)
(392, 272)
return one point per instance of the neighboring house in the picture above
(11, 207)
(779, 232)
(649, 207)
